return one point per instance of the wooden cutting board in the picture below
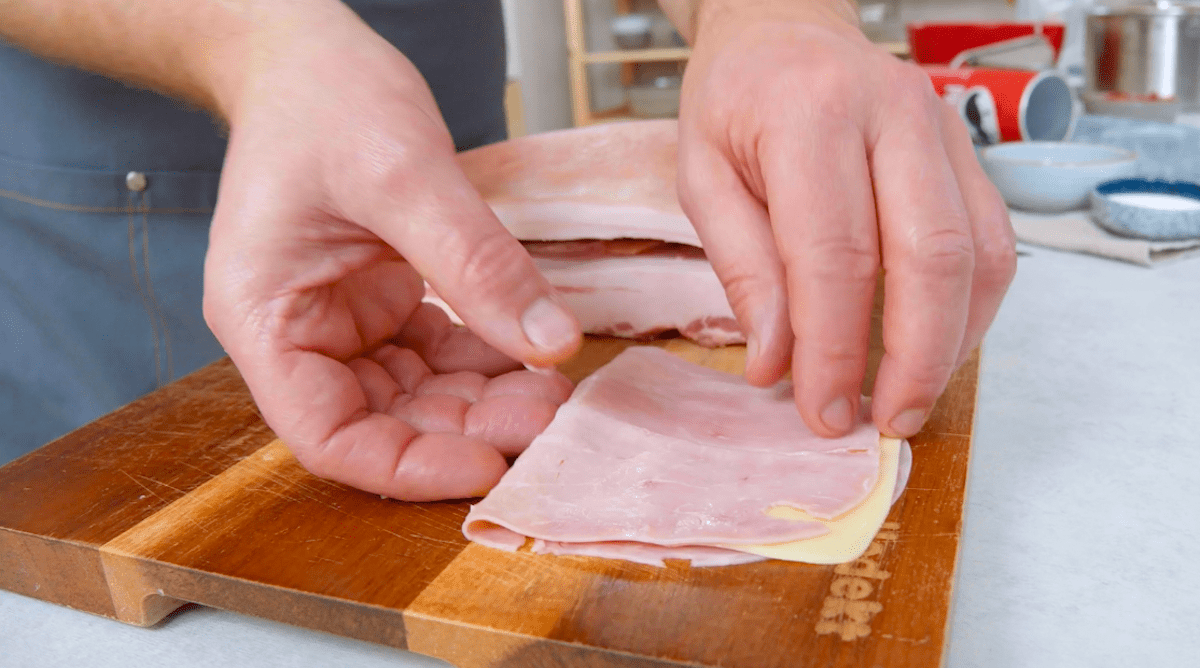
(185, 495)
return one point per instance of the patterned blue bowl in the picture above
(1148, 209)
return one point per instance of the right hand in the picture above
(809, 160)
(340, 192)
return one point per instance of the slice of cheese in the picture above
(849, 533)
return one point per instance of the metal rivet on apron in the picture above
(135, 181)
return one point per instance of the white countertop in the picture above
(1082, 534)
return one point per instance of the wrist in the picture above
(247, 42)
(713, 17)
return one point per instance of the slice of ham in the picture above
(635, 289)
(649, 554)
(655, 458)
(607, 181)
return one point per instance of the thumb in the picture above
(434, 216)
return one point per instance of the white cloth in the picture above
(1075, 231)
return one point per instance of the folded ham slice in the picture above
(656, 458)
(598, 211)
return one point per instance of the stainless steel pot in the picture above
(1145, 51)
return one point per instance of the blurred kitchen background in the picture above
(1085, 113)
(540, 94)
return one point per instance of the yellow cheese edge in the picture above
(849, 533)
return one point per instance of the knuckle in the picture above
(820, 88)
(841, 259)
(385, 161)
(742, 287)
(391, 172)
(931, 376)
(913, 80)
(911, 89)
(689, 187)
(492, 263)
(943, 253)
(319, 462)
(835, 91)
(211, 312)
(996, 249)
(721, 99)
(842, 353)
(226, 312)
(954, 126)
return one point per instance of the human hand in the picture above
(340, 191)
(809, 159)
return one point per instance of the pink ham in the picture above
(649, 554)
(654, 457)
(607, 181)
(598, 211)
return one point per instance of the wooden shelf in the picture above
(637, 56)
(579, 58)
(613, 115)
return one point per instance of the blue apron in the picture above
(106, 193)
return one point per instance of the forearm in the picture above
(689, 16)
(194, 50)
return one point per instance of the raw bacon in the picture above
(654, 457)
(607, 181)
(597, 210)
(598, 249)
(635, 289)
(645, 296)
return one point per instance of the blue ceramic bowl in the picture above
(1147, 209)
(1050, 177)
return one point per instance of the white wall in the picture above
(537, 50)
(955, 10)
(510, 37)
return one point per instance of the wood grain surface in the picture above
(185, 496)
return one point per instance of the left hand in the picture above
(340, 193)
(809, 159)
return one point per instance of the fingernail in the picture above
(908, 422)
(548, 327)
(838, 415)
